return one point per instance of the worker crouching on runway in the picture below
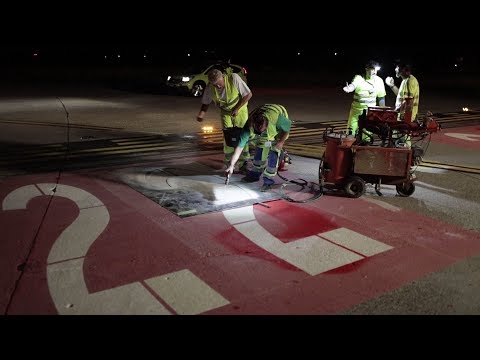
(269, 127)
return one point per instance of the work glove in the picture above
(349, 88)
(389, 81)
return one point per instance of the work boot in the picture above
(243, 169)
(265, 187)
(249, 179)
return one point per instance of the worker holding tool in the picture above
(408, 95)
(369, 89)
(269, 126)
(409, 88)
(231, 94)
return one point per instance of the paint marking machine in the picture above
(380, 153)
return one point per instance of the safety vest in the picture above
(367, 91)
(271, 112)
(409, 88)
(232, 94)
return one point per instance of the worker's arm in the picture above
(244, 92)
(284, 125)
(238, 150)
(235, 157)
(391, 83)
(381, 101)
(240, 103)
(281, 141)
(201, 113)
(394, 89)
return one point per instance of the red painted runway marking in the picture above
(471, 132)
(144, 240)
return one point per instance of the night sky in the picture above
(250, 54)
(328, 63)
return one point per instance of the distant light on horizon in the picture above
(335, 54)
(298, 53)
(118, 55)
(35, 54)
(465, 109)
(188, 54)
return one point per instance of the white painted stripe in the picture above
(77, 238)
(429, 170)
(467, 137)
(312, 254)
(433, 187)
(316, 255)
(65, 279)
(70, 295)
(356, 242)
(382, 204)
(186, 293)
(240, 215)
(82, 198)
(19, 198)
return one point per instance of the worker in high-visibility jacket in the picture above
(268, 126)
(231, 94)
(369, 90)
(408, 95)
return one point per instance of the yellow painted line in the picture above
(83, 151)
(136, 140)
(220, 136)
(444, 121)
(461, 168)
(317, 153)
(146, 142)
(59, 124)
(42, 157)
(459, 116)
(29, 150)
(308, 131)
(302, 146)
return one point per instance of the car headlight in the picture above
(185, 78)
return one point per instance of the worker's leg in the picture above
(229, 122)
(272, 166)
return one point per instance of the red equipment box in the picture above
(374, 160)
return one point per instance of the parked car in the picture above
(195, 80)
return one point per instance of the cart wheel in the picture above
(406, 189)
(355, 187)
